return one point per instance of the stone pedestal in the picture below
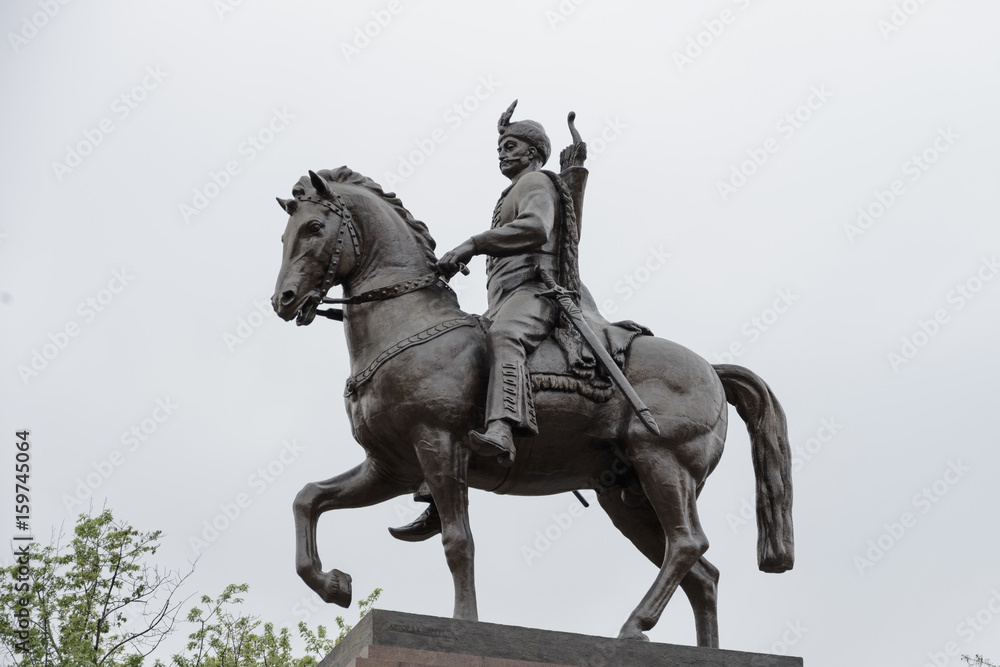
(395, 639)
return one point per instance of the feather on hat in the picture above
(527, 130)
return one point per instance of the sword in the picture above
(564, 299)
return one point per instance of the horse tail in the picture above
(772, 463)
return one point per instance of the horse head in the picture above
(326, 244)
(320, 228)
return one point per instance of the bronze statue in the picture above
(424, 380)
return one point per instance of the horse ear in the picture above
(322, 189)
(287, 205)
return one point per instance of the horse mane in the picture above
(423, 235)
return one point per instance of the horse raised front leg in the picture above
(359, 487)
(445, 464)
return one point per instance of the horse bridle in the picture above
(380, 294)
(339, 208)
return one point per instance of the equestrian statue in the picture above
(541, 395)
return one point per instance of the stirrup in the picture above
(488, 445)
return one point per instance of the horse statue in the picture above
(418, 386)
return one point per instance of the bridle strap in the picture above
(380, 294)
(346, 227)
(390, 292)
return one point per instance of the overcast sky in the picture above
(806, 189)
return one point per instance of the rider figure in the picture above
(524, 237)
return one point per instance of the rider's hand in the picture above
(451, 261)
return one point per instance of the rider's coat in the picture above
(524, 237)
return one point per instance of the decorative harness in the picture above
(379, 294)
(346, 225)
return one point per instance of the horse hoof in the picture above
(633, 633)
(337, 588)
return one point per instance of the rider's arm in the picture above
(535, 211)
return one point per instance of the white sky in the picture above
(671, 134)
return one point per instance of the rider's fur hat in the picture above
(526, 130)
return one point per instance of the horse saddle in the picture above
(564, 361)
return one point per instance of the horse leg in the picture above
(701, 585)
(672, 491)
(359, 487)
(445, 463)
(642, 527)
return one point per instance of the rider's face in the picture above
(515, 156)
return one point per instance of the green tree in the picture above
(223, 637)
(95, 601)
(978, 661)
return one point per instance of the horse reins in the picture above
(379, 294)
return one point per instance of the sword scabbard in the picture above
(564, 300)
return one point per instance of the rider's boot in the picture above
(425, 526)
(496, 441)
